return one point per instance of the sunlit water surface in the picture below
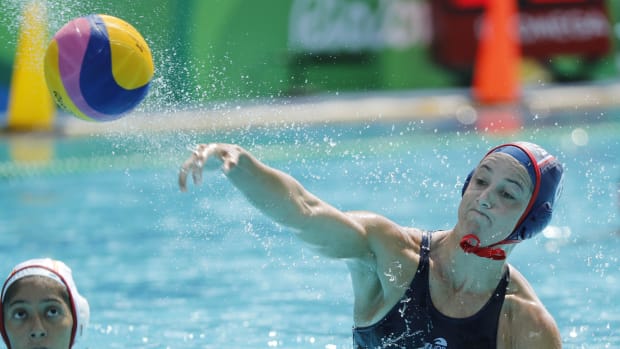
(164, 269)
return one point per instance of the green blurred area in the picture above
(222, 50)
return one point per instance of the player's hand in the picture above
(209, 156)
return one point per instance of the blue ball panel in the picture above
(97, 83)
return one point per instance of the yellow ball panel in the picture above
(132, 62)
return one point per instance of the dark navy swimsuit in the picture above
(415, 323)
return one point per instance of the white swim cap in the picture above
(59, 272)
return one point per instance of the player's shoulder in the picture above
(528, 319)
(388, 232)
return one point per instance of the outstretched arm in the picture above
(281, 197)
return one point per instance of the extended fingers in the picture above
(195, 163)
(192, 165)
(187, 167)
(183, 179)
(197, 173)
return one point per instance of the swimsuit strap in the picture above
(425, 246)
(425, 251)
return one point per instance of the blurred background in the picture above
(209, 51)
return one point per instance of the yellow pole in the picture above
(30, 107)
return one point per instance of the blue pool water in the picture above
(164, 269)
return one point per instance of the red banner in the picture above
(575, 27)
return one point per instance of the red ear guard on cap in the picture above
(546, 175)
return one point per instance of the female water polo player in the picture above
(455, 289)
(41, 306)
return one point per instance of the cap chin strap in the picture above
(489, 252)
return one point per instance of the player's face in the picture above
(496, 197)
(37, 315)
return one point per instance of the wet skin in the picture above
(37, 315)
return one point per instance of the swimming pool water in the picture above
(164, 269)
